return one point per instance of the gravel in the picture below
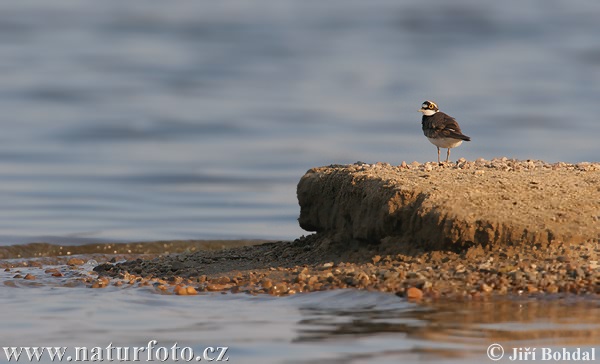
(466, 230)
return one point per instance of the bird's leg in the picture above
(448, 155)
(440, 163)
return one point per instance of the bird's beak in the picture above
(421, 110)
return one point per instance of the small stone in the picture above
(29, 277)
(552, 288)
(98, 284)
(53, 272)
(578, 273)
(215, 287)
(531, 288)
(180, 290)
(75, 261)
(413, 293)
(221, 280)
(486, 288)
(502, 289)
(279, 289)
(517, 276)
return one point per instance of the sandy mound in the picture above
(498, 202)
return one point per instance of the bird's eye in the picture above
(432, 106)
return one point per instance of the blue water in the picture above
(153, 120)
(180, 120)
(344, 326)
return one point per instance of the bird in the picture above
(441, 129)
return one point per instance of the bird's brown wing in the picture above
(449, 127)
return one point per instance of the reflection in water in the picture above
(452, 329)
(343, 326)
(363, 322)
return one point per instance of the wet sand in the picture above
(317, 263)
(46, 250)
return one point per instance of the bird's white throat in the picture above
(428, 112)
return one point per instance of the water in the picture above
(195, 120)
(343, 326)
(131, 121)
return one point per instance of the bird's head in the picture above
(429, 108)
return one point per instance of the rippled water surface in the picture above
(180, 120)
(343, 326)
(131, 121)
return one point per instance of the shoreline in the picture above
(287, 268)
(319, 262)
(48, 250)
(469, 230)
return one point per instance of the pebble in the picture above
(180, 290)
(101, 282)
(315, 263)
(53, 272)
(75, 261)
(216, 287)
(414, 293)
(485, 288)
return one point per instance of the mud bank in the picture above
(498, 202)
(467, 230)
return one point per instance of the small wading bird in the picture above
(441, 129)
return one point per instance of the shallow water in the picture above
(195, 120)
(344, 326)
